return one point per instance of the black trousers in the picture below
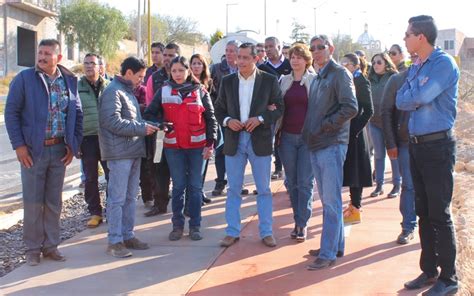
(163, 179)
(90, 162)
(356, 196)
(431, 165)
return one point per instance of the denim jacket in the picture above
(430, 93)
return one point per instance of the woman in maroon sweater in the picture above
(294, 153)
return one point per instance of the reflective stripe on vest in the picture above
(170, 140)
(197, 139)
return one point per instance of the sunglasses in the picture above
(318, 47)
(378, 62)
(345, 64)
(392, 53)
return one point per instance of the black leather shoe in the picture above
(405, 237)
(320, 264)
(294, 232)
(378, 191)
(276, 175)
(155, 211)
(244, 191)
(219, 188)
(441, 288)
(394, 192)
(421, 281)
(54, 255)
(315, 253)
(206, 200)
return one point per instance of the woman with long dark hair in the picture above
(357, 170)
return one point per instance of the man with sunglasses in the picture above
(90, 87)
(430, 95)
(397, 57)
(332, 104)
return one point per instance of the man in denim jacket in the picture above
(430, 95)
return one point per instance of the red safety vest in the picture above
(186, 114)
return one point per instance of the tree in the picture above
(182, 30)
(298, 34)
(343, 45)
(164, 29)
(96, 27)
(218, 35)
(159, 30)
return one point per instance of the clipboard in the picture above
(158, 146)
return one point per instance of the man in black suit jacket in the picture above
(249, 102)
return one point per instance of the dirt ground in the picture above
(463, 199)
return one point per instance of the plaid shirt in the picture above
(57, 107)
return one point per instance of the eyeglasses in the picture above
(392, 53)
(90, 64)
(318, 47)
(378, 62)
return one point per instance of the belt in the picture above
(53, 141)
(430, 137)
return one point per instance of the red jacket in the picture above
(186, 114)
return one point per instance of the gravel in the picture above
(12, 248)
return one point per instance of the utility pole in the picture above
(139, 30)
(149, 33)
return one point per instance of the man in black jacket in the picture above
(332, 104)
(242, 109)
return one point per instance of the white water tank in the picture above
(218, 49)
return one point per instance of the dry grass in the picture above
(5, 84)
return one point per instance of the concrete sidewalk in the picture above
(373, 264)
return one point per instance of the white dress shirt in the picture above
(245, 95)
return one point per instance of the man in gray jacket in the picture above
(121, 137)
(332, 104)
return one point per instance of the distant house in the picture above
(23, 24)
(458, 45)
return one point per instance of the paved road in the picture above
(10, 180)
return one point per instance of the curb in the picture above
(71, 182)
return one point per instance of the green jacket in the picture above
(90, 104)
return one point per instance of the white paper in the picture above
(158, 146)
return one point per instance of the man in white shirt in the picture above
(241, 108)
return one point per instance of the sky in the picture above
(387, 20)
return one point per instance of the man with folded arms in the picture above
(430, 95)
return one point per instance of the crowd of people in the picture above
(317, 117)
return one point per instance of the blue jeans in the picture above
(186, 172)
(261, 170)
(378, 141)
(124, 176)
(295, 157)
(407, 196)
(328, 166)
